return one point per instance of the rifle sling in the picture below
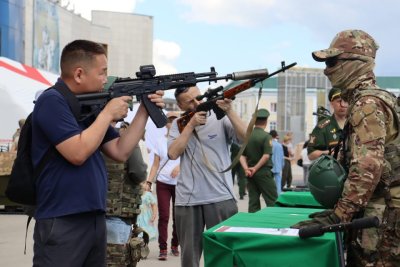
(248, 133)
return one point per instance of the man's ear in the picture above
(78, 75)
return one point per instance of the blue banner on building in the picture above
(46, 41)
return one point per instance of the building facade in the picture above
(34, 32)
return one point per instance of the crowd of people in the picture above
(93, 212)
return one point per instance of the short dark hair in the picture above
(273, 133)
(79, 51)
(180, 90)
(260, 121)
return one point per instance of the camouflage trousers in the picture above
(376, 247)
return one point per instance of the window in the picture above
(272, 125)
(273, 107)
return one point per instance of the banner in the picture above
(46, 43)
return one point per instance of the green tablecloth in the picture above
(297, 199)
(253, 249)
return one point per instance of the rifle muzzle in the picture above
(249, 74)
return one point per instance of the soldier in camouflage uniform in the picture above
(326, 134)
(123, 201)
(371, 152)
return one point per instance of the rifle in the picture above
(213, 95)
(319, 230)
(322, 113)
(147, 83)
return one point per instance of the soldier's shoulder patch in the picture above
(324, 123)
(270, 142)
(312, 140)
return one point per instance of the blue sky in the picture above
(235, 35)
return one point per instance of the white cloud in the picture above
(321, 16)
(166, 50)
(85, 7)
(227, 12)
(164, 53)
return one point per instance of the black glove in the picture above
(323, 218)
(320, 214)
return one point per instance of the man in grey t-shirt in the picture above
(204, 196)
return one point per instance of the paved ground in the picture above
(12, 237)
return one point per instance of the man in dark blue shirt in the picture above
(71, 190)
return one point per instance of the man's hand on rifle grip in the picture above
(157, 99)
(225, 105)
(199, 118)
(117, 108)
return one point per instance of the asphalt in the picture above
(12, 237)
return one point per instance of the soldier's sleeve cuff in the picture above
(345, 214)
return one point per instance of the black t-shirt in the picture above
(285, 150)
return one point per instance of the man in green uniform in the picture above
(371, 157)
(257, 164)
(326, 134)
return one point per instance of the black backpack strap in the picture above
(72, 100)
(75, 107)
(44, 160)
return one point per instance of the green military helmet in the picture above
(325, 180)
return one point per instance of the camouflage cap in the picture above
(349, 41)
(262, 113)
(334, 93)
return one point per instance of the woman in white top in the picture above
(166, 172)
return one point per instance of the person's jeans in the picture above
(278, 181)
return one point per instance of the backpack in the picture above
(21, 187)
